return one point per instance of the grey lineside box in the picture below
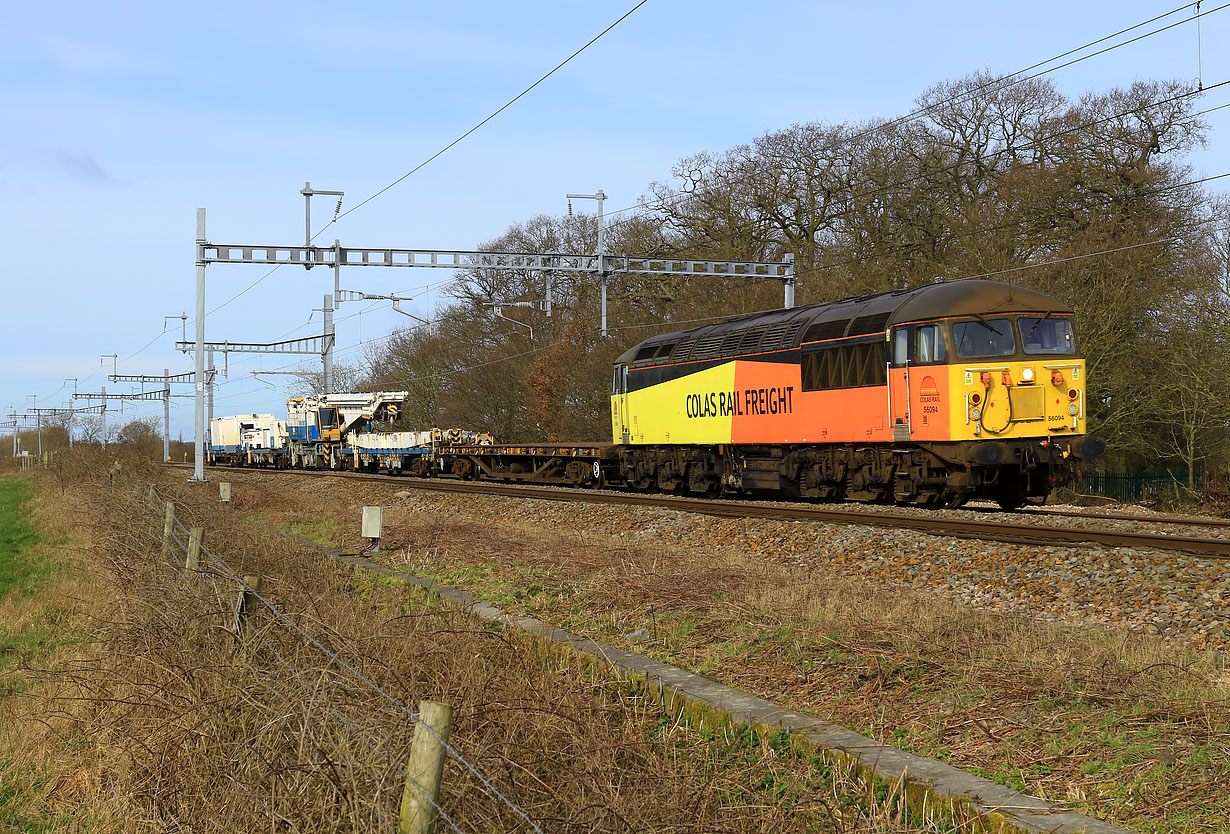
(373, 521)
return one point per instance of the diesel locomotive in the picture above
(932, 396)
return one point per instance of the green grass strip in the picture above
(20, 571)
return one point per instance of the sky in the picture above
(119, 120)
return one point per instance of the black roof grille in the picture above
(773, 336)
(731, 344)
(684, 349)
(708, 348)
(792, 336)
(864, 325)
(823, 330)
(751, 340)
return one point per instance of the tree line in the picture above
(141, 436)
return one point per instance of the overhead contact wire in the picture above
(504, 107)
(1009, 77)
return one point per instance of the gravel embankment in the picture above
(1179, 596)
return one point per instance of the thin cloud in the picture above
(75, 56)
(83, 166)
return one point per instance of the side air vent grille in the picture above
(824, 330)
(874, 323)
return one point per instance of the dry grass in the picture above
(1117, 726)
(157, 722)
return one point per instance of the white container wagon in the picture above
(248, 440)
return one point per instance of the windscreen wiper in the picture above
(1045, 316)
(986, 324)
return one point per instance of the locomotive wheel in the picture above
(646, 483)
(1010, 494)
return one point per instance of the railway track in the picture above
(1150, 519)
(997, 531)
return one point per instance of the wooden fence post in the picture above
(422, 792)
(245, 607)
(193, 562)
(168, 526)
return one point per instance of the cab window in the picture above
(901, 346)
(984, 337)
(1047, 335)
(928, 344)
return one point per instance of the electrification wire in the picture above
(420, 288)
(372, 306)
(504, 107)
(433, 157)
(1199, 47)
(442, 151)
(144, 347)
(590, 319)
(984, 230)
(1005, 152)
(1004, 78)
(1005, 271)
(243, 361)
(1016, 80)
(244, 291)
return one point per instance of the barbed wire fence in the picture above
(253, 616)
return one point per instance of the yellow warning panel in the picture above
(697, 408)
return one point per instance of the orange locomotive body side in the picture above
(772, 407)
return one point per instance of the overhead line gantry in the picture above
(167, 378)
(336, 256)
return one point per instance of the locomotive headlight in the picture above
(1072, 409)
(975, 413)
(1027, 374)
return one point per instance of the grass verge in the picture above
(34, 627)
(1117, 726)
(21, 569)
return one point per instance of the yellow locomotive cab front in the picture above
(1018, 399)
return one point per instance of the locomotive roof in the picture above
(860, 316)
